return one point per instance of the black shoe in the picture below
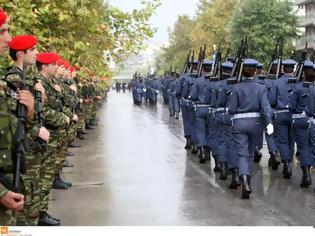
(84, 132)
(257, 156)
(45, 220)
(235, 182)
(188, 143)
(58, 184)
(176, 115)
(82, 136)
(66, 183)
(172, 113)
(88, 126)
(272, 162)
(94, 122)
(194, 149)
(286, 172)
(207, 150)
(67, 164)
(306, 178)
(202, 155)
(223, 170)
(216, 165)
(70, 154)
(56, 219)
(72, 144)
(246, 189)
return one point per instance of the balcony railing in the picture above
(306, 20)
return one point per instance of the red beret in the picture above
(60, 62)
(66, 65)
(72, 69)
(3, 17)
(22, 42)
(47, 57)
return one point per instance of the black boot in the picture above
(88, 126)
(272, 162)
(45, 220)
(84, 132)
(70, 154)
(188, 143)
(67, 164)
(306, 178)
(176, 115)
(202, 155)
(223, 170)
(235, 182)
(72, 144)
(246, 189)
(194, 149)
(257, 156)
(172, 113)
(59, 184)
(216, 164)
(286, 172)
(56, 219)
(207, 150)
(82, 136)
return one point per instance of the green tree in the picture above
(263, 22)
(87, 32)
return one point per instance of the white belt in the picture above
(201, 105)
(219, 109)
(246, 115)
(282, 111)
(298, 116)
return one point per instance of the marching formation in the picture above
(229, 106)
(45, 107)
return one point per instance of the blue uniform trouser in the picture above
(246, 137)
(165, 96)
(212, 134)
(137, 95)
(202, 113)
(230, 151)
(184, 108)
(284, 135)
(220, 142)
(170, 103)
(301, 134)
(175, 102)
(270, 139)
(192, 121)
(312, 141)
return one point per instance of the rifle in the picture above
(40, 144)
(192, 61)
(217, 71)
(20, 138)
(227, 52)
(187, 62)
(201, 60)
(279, 62)
(273, 57)
(299, 71)
(236, 75)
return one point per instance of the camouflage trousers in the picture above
(6, 218)
(30, 214)
(48, 169)
(80, 125)
(87, 111)
(61, 151)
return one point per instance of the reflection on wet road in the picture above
(133, 170)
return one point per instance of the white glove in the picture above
(144, 90)
(270, 129)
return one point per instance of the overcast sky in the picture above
(166, 15)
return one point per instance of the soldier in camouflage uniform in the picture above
(23, 52)
(63, 139)
(80, 128)
(9, 200)
(55, 121)
(87, 100)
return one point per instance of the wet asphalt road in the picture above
(133, 170)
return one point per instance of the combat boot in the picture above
(67, 164)
(306, 178)
(207, 150)
(72, 144)
(84, 132)
(223, 170)
(286, 172)
(246, 189)
(88, 126)
(172, 113)
(176, 115)
(202, 155)
(188, 143)
(45, 220)
(216, 164)
(257, 156)
(58, 184)
(235, 182)
(70, 154)
(62, 181)
(272, 162)
(194, 149)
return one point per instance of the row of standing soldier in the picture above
(42, 113)
(228, 108)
